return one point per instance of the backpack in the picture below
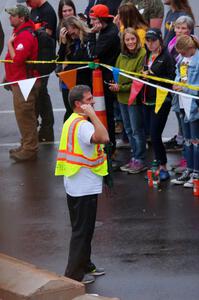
(46, 50)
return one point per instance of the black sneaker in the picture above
(183, 178)
(46, 136)
(88, 279)
(97, 272)
(172, 145)
(91, 269)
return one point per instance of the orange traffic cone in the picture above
(98, 96)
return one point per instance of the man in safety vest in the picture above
(82, 162)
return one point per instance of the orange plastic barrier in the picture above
(98, 95)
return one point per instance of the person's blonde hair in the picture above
(185, 42)
(123, 45)
(76, 23)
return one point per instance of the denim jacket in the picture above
(193, 79)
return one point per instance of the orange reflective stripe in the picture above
(80, 159)
(69, 154)
(83, 164)
(71, 135)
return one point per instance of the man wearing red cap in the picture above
(106, 43)
(112, 5)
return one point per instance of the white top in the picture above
(84, 182)
(183, 100)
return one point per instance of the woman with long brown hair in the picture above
(182, 5)
(129, 16)
(66, 8)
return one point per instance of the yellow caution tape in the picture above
(159, 79)
(154, 78)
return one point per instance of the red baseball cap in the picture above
(100, 11)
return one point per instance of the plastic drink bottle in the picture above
(155, 174)
(150, 177)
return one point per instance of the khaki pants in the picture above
(26, 118)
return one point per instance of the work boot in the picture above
(14, 150)
(23, 155)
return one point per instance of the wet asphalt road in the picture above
(147, 240)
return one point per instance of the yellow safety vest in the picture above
(70, 155)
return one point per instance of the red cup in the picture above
(150, 178)
(196, 187)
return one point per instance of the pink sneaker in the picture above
(180, 167)
(181, 163)
(137, 167)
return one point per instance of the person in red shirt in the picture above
(23, 46)
(44, 16)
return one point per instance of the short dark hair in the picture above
(77, 94)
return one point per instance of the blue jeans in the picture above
(132, 117)
(191, 139)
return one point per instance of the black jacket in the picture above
(106, 47)
(164, 67)
(78, 52)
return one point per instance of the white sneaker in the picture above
(189, 183)
(121, 144)
(183, 178)
(126, 167)
(88, 279)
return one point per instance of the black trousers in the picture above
(44, 107)
(156, 127)
(69, 111)
(109, 102)
(82, 211)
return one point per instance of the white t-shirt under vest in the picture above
(84, 182)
